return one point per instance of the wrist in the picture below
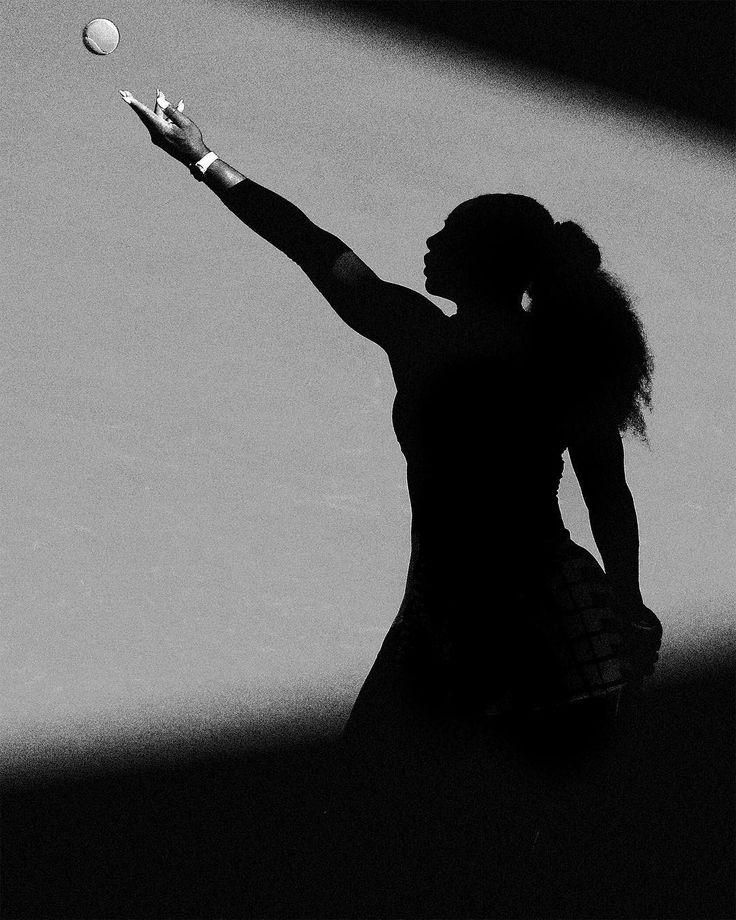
(200, 167)
(197, 153)
(625, 584)
(631, 596)
(220, 177)
(625, 599)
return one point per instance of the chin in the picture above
(430, 287)
(436, 291)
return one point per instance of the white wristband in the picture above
(207, 160)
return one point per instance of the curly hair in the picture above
(586, 319)
(593, 356)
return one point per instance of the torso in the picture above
(482, 449)
(486, 614)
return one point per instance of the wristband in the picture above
(199, 168)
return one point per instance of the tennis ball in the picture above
(100, 36)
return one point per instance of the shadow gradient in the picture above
(264, 834)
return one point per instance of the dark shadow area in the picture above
(675, 54)
(265, 834)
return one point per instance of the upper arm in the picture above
(597, 456)
(384, 312)
(381, 311)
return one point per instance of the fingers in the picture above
(161, 103)
(160, 115)
(639, 658)
(176, 115)
(149, 118)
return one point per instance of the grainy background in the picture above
(205, 522)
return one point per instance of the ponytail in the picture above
(591, 343)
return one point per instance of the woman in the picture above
(504, 617)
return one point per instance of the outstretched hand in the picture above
(170, 128)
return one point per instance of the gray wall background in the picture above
(205, 520)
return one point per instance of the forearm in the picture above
(271, 216)
(220, 176)
(616, 533)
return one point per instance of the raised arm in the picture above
(379, 310)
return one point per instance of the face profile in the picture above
(442, 265)
(459, 260)
(487, 248)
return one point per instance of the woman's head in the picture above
(489, 246)
(591, 342)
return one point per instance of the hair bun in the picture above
(574, 243)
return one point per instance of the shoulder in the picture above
(350, 270)
(390, 310)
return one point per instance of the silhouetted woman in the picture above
(505, 619)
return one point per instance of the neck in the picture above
(485, 308)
